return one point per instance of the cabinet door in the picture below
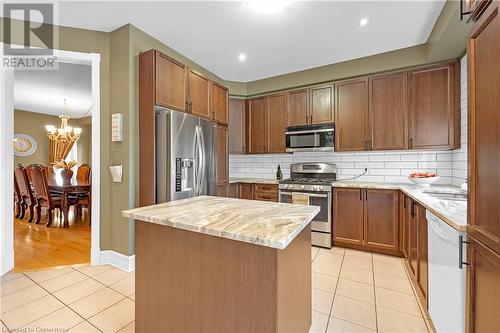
(219, 104)
(423, 263)
(484, 134)
(246, 191)
(236, 126)
(351, 115)
(222, 154)
(483, 288)
(381, 219)
(222, 190)
(170, 83)
(432, 107)
(276, 123)
(199, 94)
(232, 190)
(348, 216)
(387, 112)
(413, 238)
(256, 126)
(321, 105)
(405, 226)
(298, 108)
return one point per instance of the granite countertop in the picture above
(263, 223)
(253, 180)
(452, 212)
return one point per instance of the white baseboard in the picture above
(118, 260)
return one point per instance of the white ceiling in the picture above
(305, 34)
(44, 91)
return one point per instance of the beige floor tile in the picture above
(358, 262)
(130, 328)
(111, 276)
(115, 317)
(84, 327)
(40, 276)
(325, 267)
(10, 276)
(335, 249)
(336, 325)
(21, 297)
(390, 321)
(386, 259)
(318, 323)
(98, 301)
(356, 290)
(397, 301)
(393, 283)
(132, 296)
(314, 252)
(324, 282)
(357, 312)
(63, 281)
(329, 257)
(356, 274)
(125, 287)
(11, 286)
(94, 270)
(357, 253)
(78, 291)
(61, 320)
(394, 269)
(322, 301)
(29, 312)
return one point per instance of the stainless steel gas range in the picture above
(311, 184)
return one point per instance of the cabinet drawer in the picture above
(271, 188)
(266, 196)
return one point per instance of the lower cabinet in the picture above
(367, 219)
(483, 292)
(246, 191)
(222, 189)
(233, 190)
(265, 192)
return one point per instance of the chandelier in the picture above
(65, 133)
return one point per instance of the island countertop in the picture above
(263, 223)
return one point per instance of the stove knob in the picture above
(302, 187)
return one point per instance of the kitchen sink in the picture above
(447, 196)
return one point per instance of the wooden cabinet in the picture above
(483, 288)
(256, 126)
(413, 237)
(382, 219)
(298, 107)
(366, 219)
(219, 104)
(222, 154)
(388, 116)
(246, 191)
(198, 94)
(171, 77)
(265, 192)
(434, 107)
(276, 123)
(236, 126)
(476, 8)
(321, 105)
(233, 190)
(351, 115)
(423, 256)
(404, 222)
(222, 190)
(484, 133)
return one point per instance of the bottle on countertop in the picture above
(279, 174)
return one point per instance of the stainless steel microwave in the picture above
(310, 138)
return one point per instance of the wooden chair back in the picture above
(17, 194)
(23, 183)
(83, 172)
(39, 183)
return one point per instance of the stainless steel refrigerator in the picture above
(185, 156)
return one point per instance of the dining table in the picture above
(74, 187)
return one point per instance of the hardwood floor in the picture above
(36, 246)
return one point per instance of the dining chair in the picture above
(26, 195)
(83, 172)
(17, 199)
(83, 199)
(43, 197)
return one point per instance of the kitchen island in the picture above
(211, 264)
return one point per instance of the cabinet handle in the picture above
(461, 243)
(360, 195)
(190, 107)
(413, 209)
(186, 106)
(410, 143)
(366, 195)
(404, 202)
(310, 119)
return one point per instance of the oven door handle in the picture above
(311, 195)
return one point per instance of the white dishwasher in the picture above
(447, 276)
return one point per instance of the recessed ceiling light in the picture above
(268, 6)
(242, 57)
(363, 22)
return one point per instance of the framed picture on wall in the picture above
(24, 145)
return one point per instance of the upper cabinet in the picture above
(256, 126)
(351, 115)
(298, 107)
(171, 78)
(198, 94)
(220, 107)
(387, 112)
(237, 126)
(433, 107)
(276, 123)
(321, 105)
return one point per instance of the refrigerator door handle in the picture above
(203, 159)
(200, 160)
(195, 164)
